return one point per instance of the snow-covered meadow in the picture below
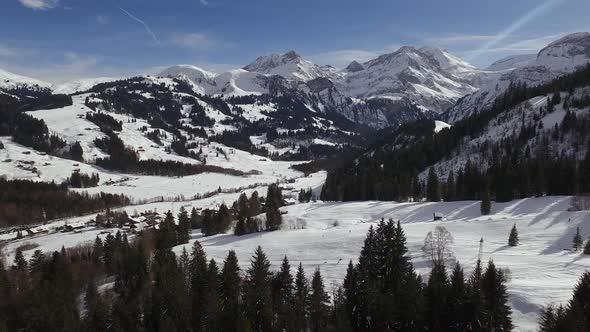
(542, 270)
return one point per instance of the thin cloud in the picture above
(458, 39)
(7, 51)
(516, 46)
(102, 19)
(204, 2)
(516, 25)
(195, 40)
(39, 4)
(341, 58)
(140, 21)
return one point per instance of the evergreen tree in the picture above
(20, 263)
(198, 284)
(436, 293)
(283, 297)
(513, 238)
(240, 228)
(7, 309)
(578, 242)
(579, 305)
(274, 200)
(37, 262)
(339, 316)
(493, 286)
(318, 303)
(476, 311)
(229, 291)
(184, 226)
(211, 313)
(258, 298)
(184, 262)
(195, 219)
(97, 314)
(52, 302)
(171, 305)
(486, 203)
(167, 235)
(350, 286)
(457, 301)
(223, 219)
(433, 186)
(243, 208)
(254, 204)
(301, 299)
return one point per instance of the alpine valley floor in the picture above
(541, 270)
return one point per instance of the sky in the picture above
(61, 40)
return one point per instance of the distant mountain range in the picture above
(408, 84)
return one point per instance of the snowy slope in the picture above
(9, 81)
(79, 85)
(328, 235)
(509, 124)
(512, 62)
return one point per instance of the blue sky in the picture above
(58, 40)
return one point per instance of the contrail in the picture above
(529, 16)
(147, 28)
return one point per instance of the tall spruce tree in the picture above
(301, 299)
(211, 314)
(350, 286)
(457, 301)
(493, 285)
(184, 226)
(432, 186)
(258, 297)
(283, 297)
(476, 311)
(230, 295)
(436, 296)
(198, 285)
(486, 203)
(513, 238)
(318, 304)
(20, 263)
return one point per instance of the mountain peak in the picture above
(289, 65)
(566, 53)
(354, 66)
(291, 55)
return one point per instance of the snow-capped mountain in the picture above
(82, 85)
(289, 65)
(512, 62)
(431, 78)
(10, 81)
(559, 57)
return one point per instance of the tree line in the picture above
(28, 202)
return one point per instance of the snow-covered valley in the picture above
(542, 269)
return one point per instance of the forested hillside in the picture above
(532, 142)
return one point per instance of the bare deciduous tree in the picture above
(437, 245)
